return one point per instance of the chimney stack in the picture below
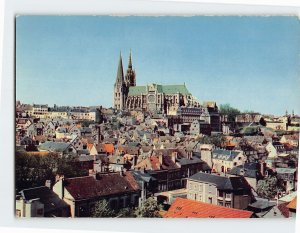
(135, 160)
(59, 177)
(160, 157)
(262, 168)
(174, 156)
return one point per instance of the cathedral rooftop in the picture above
(166, 89)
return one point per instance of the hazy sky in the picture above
(252, 63)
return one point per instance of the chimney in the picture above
(174, 156)
(135, 160)
(160, 157)
(262, 168)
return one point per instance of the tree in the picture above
(226, 109)
(268, 187)
(33, 170)
(217, 140)
(102, 210)
(262, 121)
(148, 209)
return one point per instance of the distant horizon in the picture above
(87, 106)
(248, 62)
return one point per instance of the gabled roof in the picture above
(137, 90)
(222, 182)
(105, 147)
(285, 170)
(54, 146)
(228, 155)
(46, 196)
(167, 89)
(184, 208)
(284, 209)
(293, 204)
(248, 170)
(142, 176)
(88, 187)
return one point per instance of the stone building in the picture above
(232, 192)
(152, 97)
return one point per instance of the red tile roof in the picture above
(154, 160)
(105, 147)
(109, 148)
(293, 204)
(106, 184)
(90, 146)
(184, 208)
(284, 209)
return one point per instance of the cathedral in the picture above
(154, 98)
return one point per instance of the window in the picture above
(228, 195)
(210, 200)
(40, 212)
(209, 188)
(200, 187)
(18, 213)
(113, 204)
(227, 204)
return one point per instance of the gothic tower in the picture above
(119, 88)
(130, 75)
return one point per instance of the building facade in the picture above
(153, 97)
(231, 192)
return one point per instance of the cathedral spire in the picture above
(130, 74)
(120, 74)
(130, 60)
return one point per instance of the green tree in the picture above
(33, 170)
(149, 209)
(217, 140)
(268, 187)
(102, 210)
(226, 109)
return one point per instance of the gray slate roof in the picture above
(50, 199)
(248, 170)
(54, 146)
(222, 182)
(224, 154)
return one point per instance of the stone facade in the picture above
(153, 97)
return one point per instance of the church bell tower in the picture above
(130, 74)
(119, 88)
